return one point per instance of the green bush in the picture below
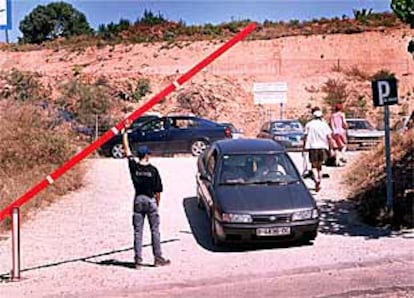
(362, 15)
(383, 74)
(212, 30)
(335, 92)
(85, 101)
(294, 22)
(142, 89)
(149, 18)
(24, 86)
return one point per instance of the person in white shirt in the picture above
(317, 141)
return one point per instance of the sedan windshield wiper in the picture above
(279, 182)
(233, 182)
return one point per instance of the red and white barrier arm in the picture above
(110, 133)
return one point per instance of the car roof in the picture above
(285, 120)
(182, 116)
(243, 146)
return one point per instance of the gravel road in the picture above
(81, 246)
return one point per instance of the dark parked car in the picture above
(253, 192)
(235, 132)
(171, 134)
(289, 133)
(362, 134)
(144, 118)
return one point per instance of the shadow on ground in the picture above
(113, 262)
(200, 228)
(89, 259)
(341, 218)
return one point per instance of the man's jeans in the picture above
(143, 206)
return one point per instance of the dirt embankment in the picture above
(304, 62)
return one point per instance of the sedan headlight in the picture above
(240, 218)
(280, 138)
(305, 214)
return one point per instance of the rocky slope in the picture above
(224, 90)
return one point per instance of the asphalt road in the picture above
(81, 246)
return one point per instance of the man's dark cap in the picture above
(142, 151)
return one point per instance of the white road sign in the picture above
(5, 14)
(270, 93)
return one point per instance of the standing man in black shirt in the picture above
(148, 187)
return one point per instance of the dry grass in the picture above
(355, 73)
(368, 180)
(28, 152)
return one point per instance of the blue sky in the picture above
(199, 12)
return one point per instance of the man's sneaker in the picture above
(138, 264)
(161, 262)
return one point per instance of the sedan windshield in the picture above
(361, 124)
(257, 169)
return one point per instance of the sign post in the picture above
(384, 94)
(281, 111)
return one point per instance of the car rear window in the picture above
(207, 123)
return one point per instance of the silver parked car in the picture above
(362, 134)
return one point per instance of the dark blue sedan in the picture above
(289, 133)
(252, 191)
(171, 134)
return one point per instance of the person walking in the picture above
(148, 187)
(339, 127)
(317, 141)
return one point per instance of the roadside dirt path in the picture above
(82, 245)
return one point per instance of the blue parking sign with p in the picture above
(5, 15)
(384, 92)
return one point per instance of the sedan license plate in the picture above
(280, 231)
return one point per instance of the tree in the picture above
(404, 9)
(149, 18)
(57, 19)
(108, 31)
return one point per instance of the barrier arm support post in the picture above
(15, 272)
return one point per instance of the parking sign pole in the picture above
(388, 160)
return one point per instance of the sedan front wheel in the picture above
(118, 151)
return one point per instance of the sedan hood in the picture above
(260, 198)
(365, 133)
